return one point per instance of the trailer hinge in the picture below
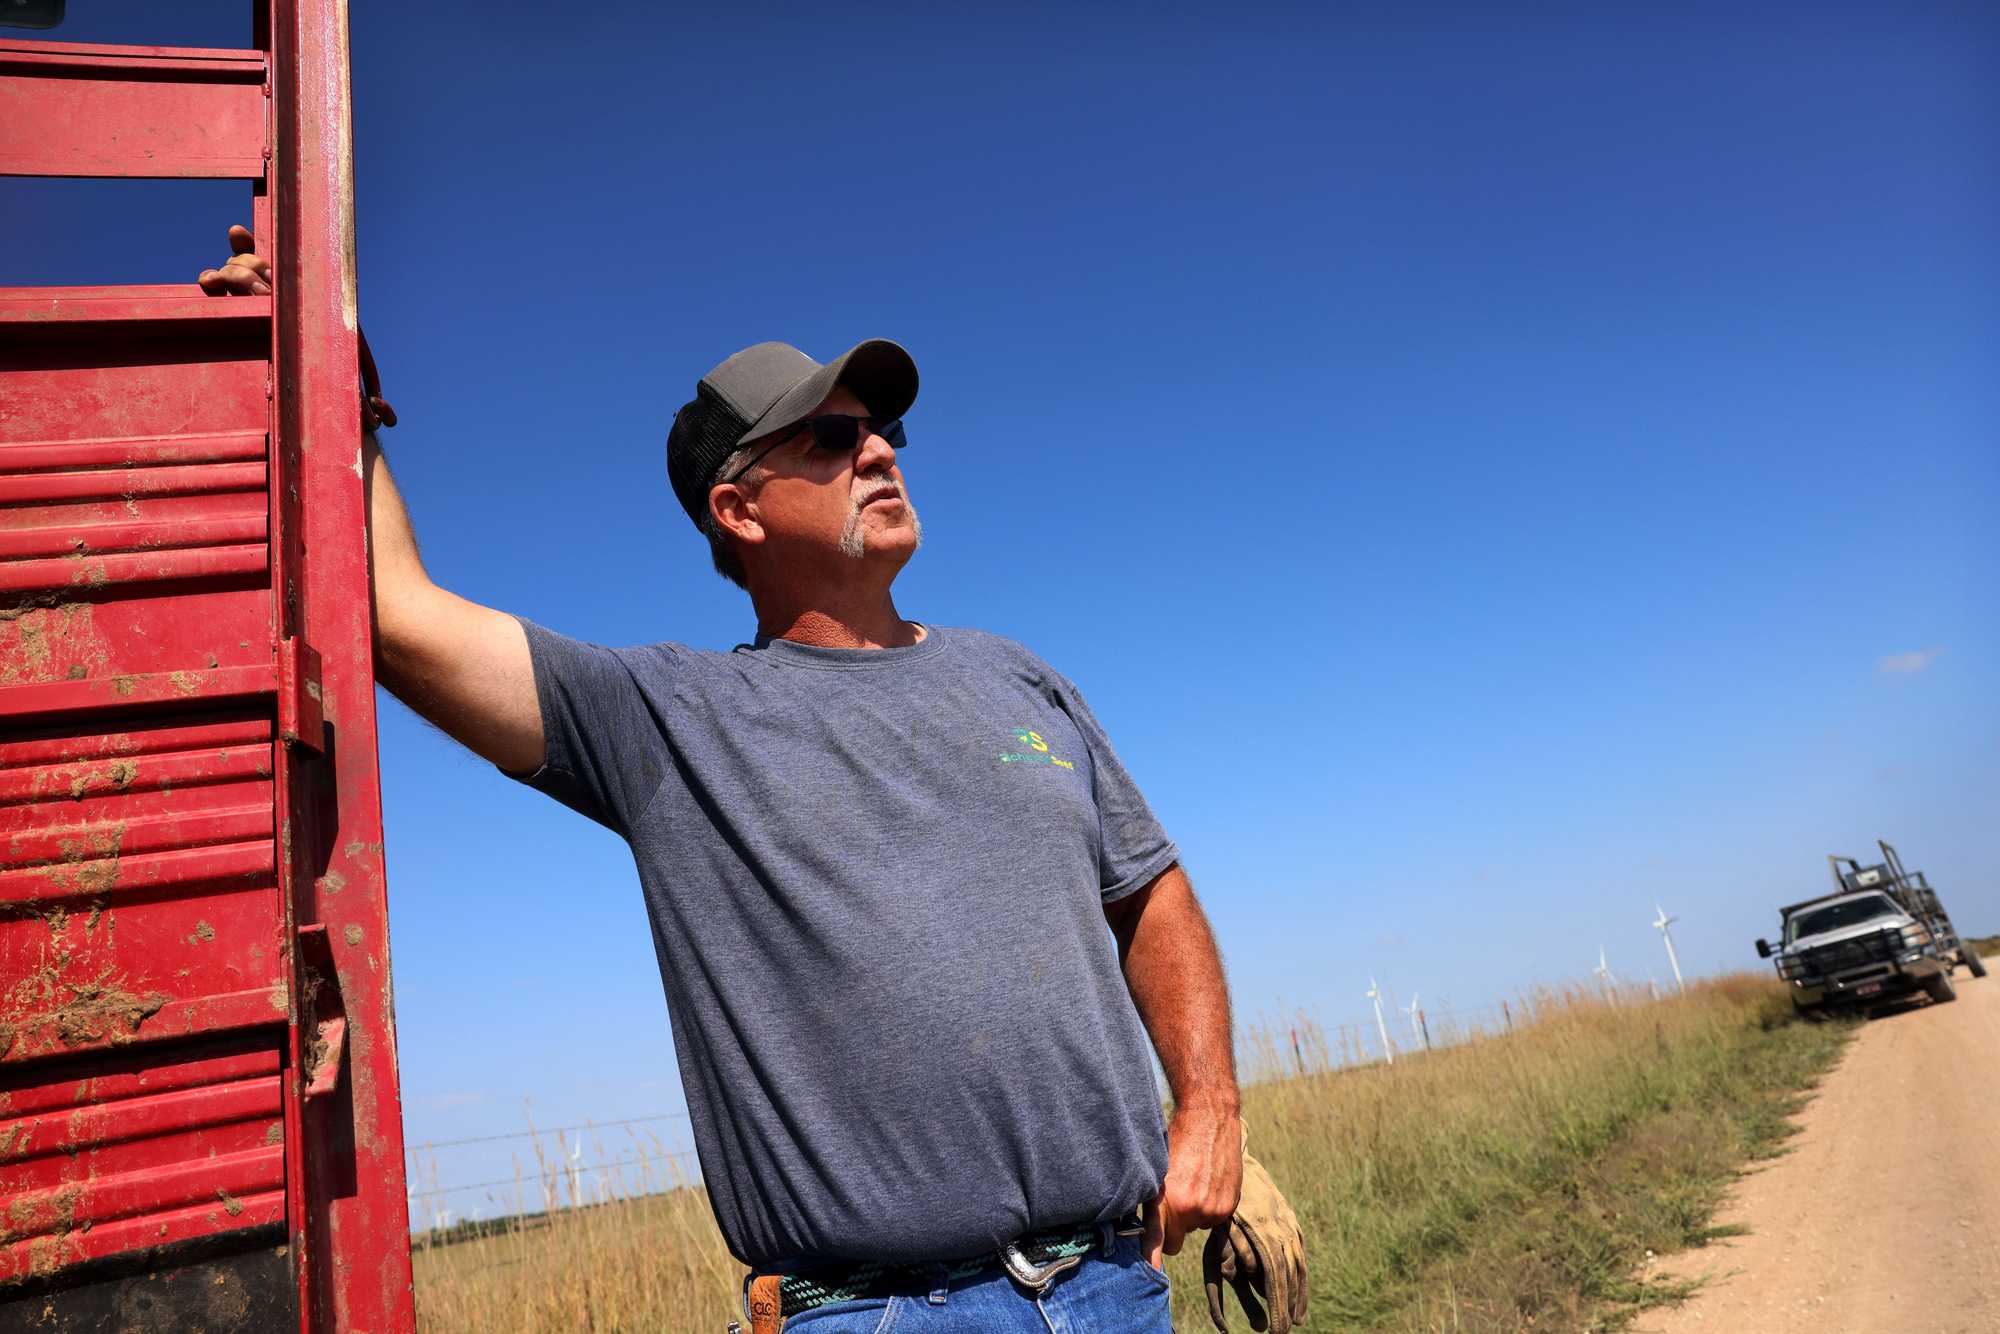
(300, 711)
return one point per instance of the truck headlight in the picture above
(1915, 936)
(1789, 968)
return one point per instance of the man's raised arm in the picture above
(462, 666)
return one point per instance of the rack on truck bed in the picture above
(1909, 889)
(199, 1113)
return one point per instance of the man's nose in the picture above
(875, 454)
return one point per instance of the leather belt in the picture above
(1035, 1260)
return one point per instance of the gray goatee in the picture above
(854, 542)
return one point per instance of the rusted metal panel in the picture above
(226, 1281)
(68, 109)
(197, 1045)
(139, 913)
(138, 689)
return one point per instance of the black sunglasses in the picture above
(835, 433)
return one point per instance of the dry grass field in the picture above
(1518, 1181)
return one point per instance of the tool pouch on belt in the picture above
(767, 1311)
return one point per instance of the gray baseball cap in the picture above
(765, 389)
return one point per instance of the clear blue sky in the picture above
(1489, 473)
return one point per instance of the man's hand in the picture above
(244, 273)
(1204, 1178)
(247, 273)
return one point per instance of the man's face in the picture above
(824, 507)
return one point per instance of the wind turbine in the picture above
(1660, 924)
(1604, 977)
(1416, 1039)
(1375, 995)
(575, 1164)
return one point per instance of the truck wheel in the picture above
(1812, 1014)
(1970, 958)
(1941, 988)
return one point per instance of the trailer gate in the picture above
(199, 1117)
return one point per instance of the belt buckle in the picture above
(1037, 1277)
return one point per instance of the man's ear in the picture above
(736, 514)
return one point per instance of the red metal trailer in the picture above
(199, 1117)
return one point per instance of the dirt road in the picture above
(1885, 1215)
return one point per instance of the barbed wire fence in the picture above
(1291, 1046)
(559, 1176)
(1301, 1043)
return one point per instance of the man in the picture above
(910, 910)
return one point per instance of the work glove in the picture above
(1261, 1253)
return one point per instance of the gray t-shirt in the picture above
(876, 879)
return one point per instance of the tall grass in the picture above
(638, 1252)
(1520, 1181)
(1509, 1182)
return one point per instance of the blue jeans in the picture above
(1114, 1291)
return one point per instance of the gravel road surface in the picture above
(1885, 1216)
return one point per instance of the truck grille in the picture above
(1828, 960)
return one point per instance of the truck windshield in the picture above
(1834, 916)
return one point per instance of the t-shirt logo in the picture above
(1033, 750)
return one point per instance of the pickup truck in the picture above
(1882, 937)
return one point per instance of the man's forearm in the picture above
(1175, 975)
(392, 542)
(462, 666)
(397, 570)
